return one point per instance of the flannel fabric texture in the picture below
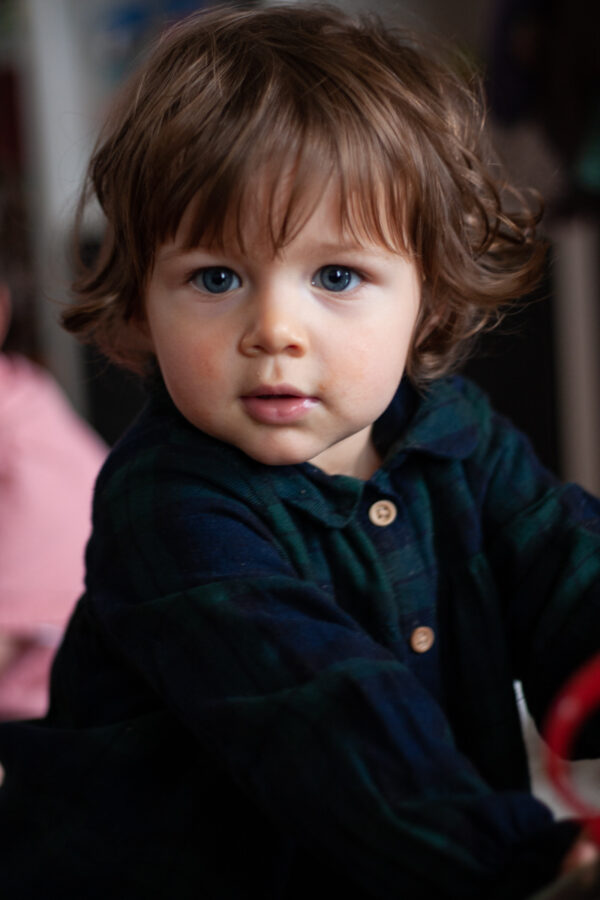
(237, 709)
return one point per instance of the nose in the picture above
(274, 326)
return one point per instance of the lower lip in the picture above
(278, 410)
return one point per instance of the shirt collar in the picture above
(438, 423)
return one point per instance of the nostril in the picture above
(273, 342)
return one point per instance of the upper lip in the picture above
(275, 390)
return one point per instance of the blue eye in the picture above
(215, 280)
(336, 278)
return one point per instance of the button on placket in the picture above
(383, 513)
(422, 639)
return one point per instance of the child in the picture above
(317, 563)
(49, 460)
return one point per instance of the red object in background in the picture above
(576, 701)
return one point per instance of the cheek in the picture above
(183, 352)
(376, 372)
(190, 368)
(194, 379)
(205, 365)
(376, 358)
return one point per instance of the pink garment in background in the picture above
(49, 460)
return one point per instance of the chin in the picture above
(278, 459)
(277, 456)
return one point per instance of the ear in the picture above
(5, 311)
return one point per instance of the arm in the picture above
(543, 543)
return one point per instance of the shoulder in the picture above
(163, 455)
(457, 422)
(505, 473)
(174, 507)
(500, 445)
(165, 479)
(459, 406)
(452, 418)
(461, 398)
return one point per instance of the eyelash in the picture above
(354, 278)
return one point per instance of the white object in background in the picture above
(59, 138)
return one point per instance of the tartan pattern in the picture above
(236, 708)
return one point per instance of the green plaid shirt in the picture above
(282, 684)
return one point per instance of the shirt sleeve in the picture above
(328, 733)
(542, 542)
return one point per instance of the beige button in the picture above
(422, 638)
(383, 513)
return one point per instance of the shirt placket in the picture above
(399, 549)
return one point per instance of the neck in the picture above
(356, 457)
(367, 462)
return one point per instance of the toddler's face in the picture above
(289, 357)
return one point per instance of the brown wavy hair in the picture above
(226, 95)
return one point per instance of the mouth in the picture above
(279, 404)
(276, 390)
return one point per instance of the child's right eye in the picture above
(215, 280)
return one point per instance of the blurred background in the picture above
(61, 60)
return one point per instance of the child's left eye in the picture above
(215, 280)
(336, 278)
